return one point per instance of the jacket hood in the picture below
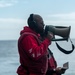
(27, 29)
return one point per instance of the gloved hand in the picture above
(50, 35)
(59, 70)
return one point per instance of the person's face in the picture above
(40, 24)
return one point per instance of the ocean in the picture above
(9, 58)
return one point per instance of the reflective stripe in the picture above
(33, 55)
(30, 50)
(38, 54)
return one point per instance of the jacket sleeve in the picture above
(33, 49)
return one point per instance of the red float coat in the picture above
(52, 64)
(33, 53)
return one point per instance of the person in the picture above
(33, 52)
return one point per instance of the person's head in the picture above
(36, 23)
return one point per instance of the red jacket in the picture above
(33, 53)
(52, 64)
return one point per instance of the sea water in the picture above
(9, 58)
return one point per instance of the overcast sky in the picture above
(14, 14)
